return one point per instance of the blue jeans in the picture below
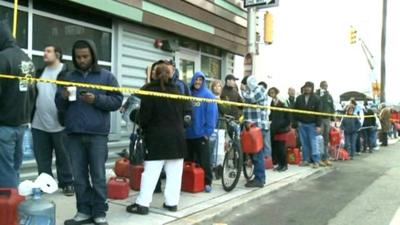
(308, 139)
(43, 145)
(350, 143)
(88, 157)
(10, 155)
(259, 166)
(368, 135)
(267, 143)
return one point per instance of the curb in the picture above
(206, 216)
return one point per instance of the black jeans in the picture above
(199, 151)
(279, 148)
(43, 145)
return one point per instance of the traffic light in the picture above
(353, 35)
(268, 27)
(376, 88)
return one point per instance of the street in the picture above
(362, 191)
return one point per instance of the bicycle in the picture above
(234, 160)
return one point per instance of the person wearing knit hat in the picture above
(308, 125)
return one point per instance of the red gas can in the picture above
(334, 137)
(121, 167)
(135, 176)
(9, 201)
(291, 141)
(293, 156)
(268, 163)
(343, 154)
(118, 188)
(192, 178)
(251, 139)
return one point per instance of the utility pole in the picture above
(383, 51)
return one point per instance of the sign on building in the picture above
(261, 3)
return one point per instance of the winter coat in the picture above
(84, 118)
(161, 120)
(350, 125)
(384, 116)
(231, 94)
(17, 97)
(326, 102)
(280, 120)
(204, 114)
(312, 105)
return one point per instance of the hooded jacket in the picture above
(204, 115)
(17, 97)
(255, 94)
(84, 118)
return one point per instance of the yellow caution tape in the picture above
(172, 96)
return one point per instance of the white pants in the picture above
(152, 169)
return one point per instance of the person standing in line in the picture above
(47, 132)
(255, 94)
(327, 106)
(280, 124)
(292, 97)
(309, 126)
(87, 124)
(350, 126)
(17, 99)
(230, 93)
(204, 121)
(162, 122)
(384, 117)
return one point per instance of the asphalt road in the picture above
(363, 191)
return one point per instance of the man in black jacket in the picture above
(309, 126)
(231, 93)
(327, 106)
(47, 130)
(16, 102)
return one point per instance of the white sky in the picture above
(311, 42)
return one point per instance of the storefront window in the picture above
(64, 34)
(211, 67)
(6, 17)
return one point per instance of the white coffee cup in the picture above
(72, 93)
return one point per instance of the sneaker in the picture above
(137, 209)
(79, 218)
(315, 165)
(322, 164)
(68, 190)
(376, 148)
(327, 162)
(170, 208)
(304, 163)
(207, 188)
(358, 153)
(100, 221)
(254, 183)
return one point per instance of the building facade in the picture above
(198, 34)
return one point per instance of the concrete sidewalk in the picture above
(193, 208)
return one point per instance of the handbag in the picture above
(136, 148)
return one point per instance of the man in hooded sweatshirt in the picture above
(204, 121)
(17, 98)
(309, 125)
(255, 94)
(87, 123)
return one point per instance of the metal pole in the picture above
(251, 34)
(383, 52)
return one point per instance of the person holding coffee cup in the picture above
(87, 122)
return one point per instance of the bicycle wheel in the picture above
(248, 167)
(231, 167)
